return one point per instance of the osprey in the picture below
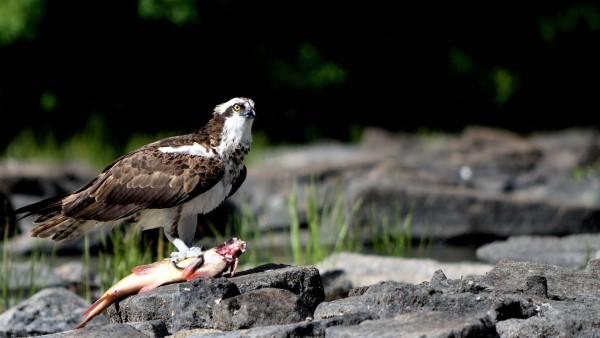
(166, 184)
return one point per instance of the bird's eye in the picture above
(237, 107)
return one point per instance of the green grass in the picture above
(17, 286)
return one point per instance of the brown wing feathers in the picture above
(143, 179)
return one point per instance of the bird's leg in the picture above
(184, 252)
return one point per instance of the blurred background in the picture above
(316, 69)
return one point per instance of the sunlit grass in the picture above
(5, 266)
(92, 145)
(392, 238)
(123, 249)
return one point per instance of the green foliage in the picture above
(310, 71)
(460, 62)
(567, 21)
(329, 228)
(246, 227)
(356, 132)
(587, 255)
(48, 102)
(5, 272)
(586, 172)
(177, 12)
(93, 145)
(295, 240)
(28, 145)
(392, 238)
(19, 19)
(505, 84)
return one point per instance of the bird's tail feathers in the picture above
(49, 206)
(62, 228)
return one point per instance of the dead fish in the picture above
(211, 263)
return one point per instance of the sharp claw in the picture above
(199, 261)
(174, 263)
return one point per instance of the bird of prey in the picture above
(166, 184)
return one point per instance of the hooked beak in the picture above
(249, 114)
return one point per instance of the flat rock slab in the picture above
(430, 324)
(562, 282)
(364, 270)
(570, 251)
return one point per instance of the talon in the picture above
(179, 256)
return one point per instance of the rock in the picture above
(431, 324)
(569, 251)
(260, 307)
(514, 299)
(388, 299)
(443, 213)
(562, 283)
(336, 284)
(151, 328)
(362, 270)
(109, 330)
(193, 305)
(304, 281)
(307, 328)
(51, 310)
(180, 306)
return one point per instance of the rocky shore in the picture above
(513, 299)
(525, 208)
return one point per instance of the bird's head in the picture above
(238, 115)
(238, 106)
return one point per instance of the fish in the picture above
(210, 263)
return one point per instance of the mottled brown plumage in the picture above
(162, 184)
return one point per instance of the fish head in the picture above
(231, 251)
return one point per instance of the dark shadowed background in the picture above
(316, 69)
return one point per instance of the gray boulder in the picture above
(50, 310)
